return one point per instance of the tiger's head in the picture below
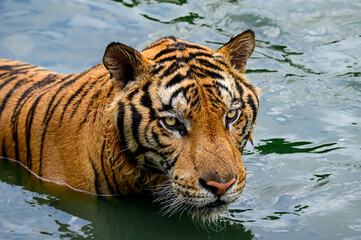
(186, 111)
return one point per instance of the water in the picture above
(304, 168)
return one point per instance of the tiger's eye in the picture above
(231, 114)
(170, 121)
(173, 124)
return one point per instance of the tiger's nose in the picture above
(216, 187)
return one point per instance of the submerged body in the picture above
(174, 118)
(51, 123)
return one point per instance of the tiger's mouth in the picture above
(210, 212)
(203, 206)
(216, 204)
(212, 207)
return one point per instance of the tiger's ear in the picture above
(123, 62)
(239, 49)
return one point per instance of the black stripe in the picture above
(95, 96)
(253, 106)
(15, 136)
(148, 140)
(178, 78)
(136, 120)
(208, 64)
(156, 69)
(149, 160)
(200, 74)
(48, 111)
(46, 124)
(171, 69)
(109, 186)
(120, 121)
(182, 59)
(24, 69)
(70, 99)
(29, 122)
(183, 90)
(168, 107)
(189, 74)
(170, 164)
(176, 93)
(112, 163)
(208, 73)
(171, 38)
(158, 43)
(199, 54)
(3, 149)
(208, 86)
(147, 102)
(11, 67)
(224, 64)
(8, 95)
(50, 78)
(7, 68)
(40, 70)
(250, 87)
(243, 132)
(195, 104)
(164, 52)
(168, 59)
(90, 104)
(4, 73)
(7, 82)
(149, 164)
(221, 86)
(77, 104)
(21, 103)
(97, 182)
(239, 88)
(131, 95)
(165, 108)
(182, 45)
(68, 83)
(156, 139)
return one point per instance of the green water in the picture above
(304, 170)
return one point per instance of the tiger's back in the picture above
(43, 115)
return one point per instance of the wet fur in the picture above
(101, 131)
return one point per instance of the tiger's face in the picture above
(186, 111)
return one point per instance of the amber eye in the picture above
(232, 116)
(173, 124)
(170, 121)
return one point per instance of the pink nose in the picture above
(221, 187)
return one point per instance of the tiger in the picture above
(170, 122)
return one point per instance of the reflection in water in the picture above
(188, 19)
(281, 146)
(75, 215)
(134, 3)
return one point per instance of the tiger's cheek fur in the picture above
(145, 138)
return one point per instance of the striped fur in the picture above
(106, 130)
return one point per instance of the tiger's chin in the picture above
(209, 213)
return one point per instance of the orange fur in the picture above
(103, 131)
